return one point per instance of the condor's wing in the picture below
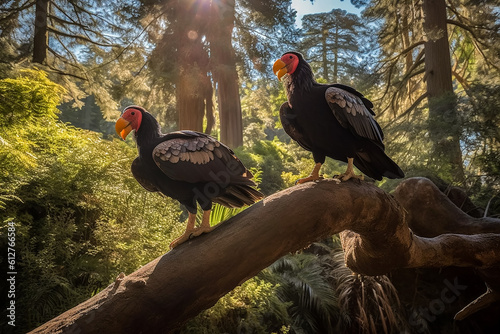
(195, 157)
(353, 112)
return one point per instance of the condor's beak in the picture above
(279, 68)
(123, 127)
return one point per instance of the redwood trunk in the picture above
(324, 38)
(437, 49)
(192, 64)
(41, 37)
(444, 129)
(336, 56)
(225, 74)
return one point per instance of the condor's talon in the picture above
(346, 177)
(314, 175)
(200, 230)
(183, 238)
(187, 234)
(349, 173)
(309, 179)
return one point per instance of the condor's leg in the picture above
(349, 173)
(319, 159)
(205, 224)
(188, 233)
(313, 176)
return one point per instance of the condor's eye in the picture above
(132, 113)
(291, 57)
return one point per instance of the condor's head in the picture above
(287, 64)
(130, 119)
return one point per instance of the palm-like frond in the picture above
(368, 304)
(302, 282)
(49, 296)
(219, 214)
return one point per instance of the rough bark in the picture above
(163, 294)
(324, 55)
(336, 56)
(40, 40)
(223, 60)
(194, 87)
(437, 49)
(444, 130)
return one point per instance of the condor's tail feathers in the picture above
(376, 164)
(236, 196)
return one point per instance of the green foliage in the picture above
(80, 216)
(28, 98)
(88, 117)
(219, 214)
(252, 307)
(303, 285)
(481, 124)
(260, 104)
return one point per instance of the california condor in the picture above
(332, 120)
(188, 166)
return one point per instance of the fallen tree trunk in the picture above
(173, 288)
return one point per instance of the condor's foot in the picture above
(205, 225)
(349, 173)
(183, 238)
(191, 231)
(200, 230)
(313, 177)
(309, 179)
(348, 176)
(187, 234)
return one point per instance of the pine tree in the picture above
(331, 40)
(419, 64)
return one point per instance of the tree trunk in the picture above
(190, 103)
(437, 49)
(192, 64)
(165, 293)
(224, 71)
(324, 53)
(444, 129)
(405, 34)
(41, 37)
(336, 55)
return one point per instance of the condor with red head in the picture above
(332, 120)
(188, 166)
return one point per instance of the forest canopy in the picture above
(67, 68)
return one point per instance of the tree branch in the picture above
(163, 294)
(483, 301)
(79, 37)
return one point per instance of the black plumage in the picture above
(188, 166)
(332, 120)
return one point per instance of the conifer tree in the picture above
(419, 64)
(331, 40)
